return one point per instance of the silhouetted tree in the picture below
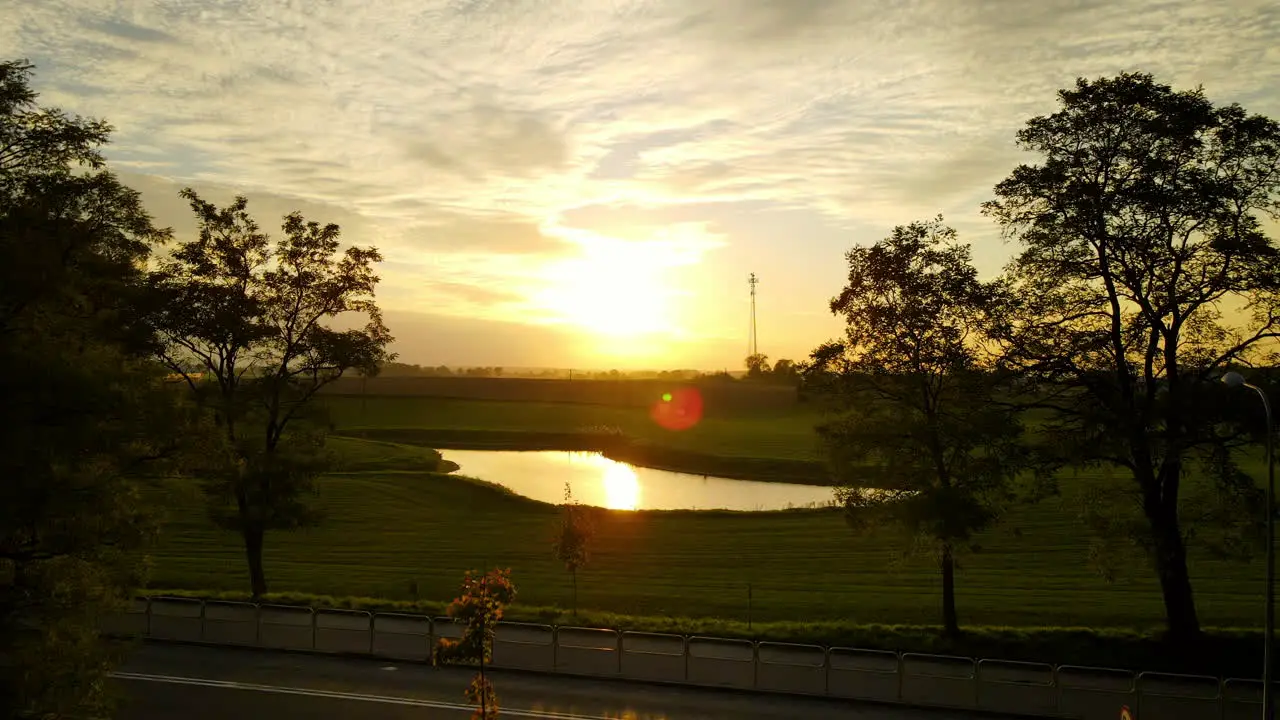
(85, 414)
(757, 365)
(785, 370)
(253, 314)
(479, 607)
(574, 532)
(919, 440)
(397, 369)
(1141, 240)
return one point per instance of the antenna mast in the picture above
(752, 347)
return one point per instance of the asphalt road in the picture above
(162, 682)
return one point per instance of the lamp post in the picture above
(1235, 379)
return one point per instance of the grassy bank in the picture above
(785, 434)
(396, 533)
(615, 447)
(718, 395)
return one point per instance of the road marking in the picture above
(338, 695)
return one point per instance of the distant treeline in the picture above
(399, 369)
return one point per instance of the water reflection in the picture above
(597, 480)
(621, 486)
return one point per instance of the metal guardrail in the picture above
(1080, 693)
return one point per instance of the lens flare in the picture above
(680, 409)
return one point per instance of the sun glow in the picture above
(612, 291)
(626, 292)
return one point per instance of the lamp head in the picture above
(1233, 379)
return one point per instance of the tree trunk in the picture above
(1181, 620)
(253, 552)
(950, 625)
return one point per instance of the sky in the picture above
(588, 183)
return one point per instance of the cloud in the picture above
(460, 136)
(501, 233)
(471, 103)
(435, 339)
(486, 140)
(161, 199)
(127, 30)
(458, 265)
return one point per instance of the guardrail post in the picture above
(431, 639)
(257, 624)
(826, 671)
(371, 621)
(755, 665)
(1057, 691)
(685, 639)
(313, 628)
(902, 671)
(1137, 695)
(202, 619)
(555, 648)
(148, 611)
(977, 684)
(618, 644)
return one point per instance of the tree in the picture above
(479, 607)
(573, 538)
(1144, 272)
(85, 415)
(784, 368)
(785, 371)
(921, 439)
(757, 365)
(252, 314)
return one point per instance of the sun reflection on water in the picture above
(621, 487)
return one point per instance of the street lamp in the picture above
(1235, 379)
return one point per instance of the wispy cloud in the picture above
(488, 145)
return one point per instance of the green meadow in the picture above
(398, 533)
(785, 434)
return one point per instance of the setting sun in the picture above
(615, 289)
(626, 292)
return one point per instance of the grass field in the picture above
(388, 529)
(397, 532)
(773, 434)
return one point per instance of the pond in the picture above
(597, 480)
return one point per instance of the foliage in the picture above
(918, 404)
(573, 538)
(479, 608)
(254, 316)
(85, 415)
(782, 372)
(757, 365)
(785, 370)
(1144, 272)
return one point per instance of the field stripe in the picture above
(338, 695)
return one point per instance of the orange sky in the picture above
(589, 183)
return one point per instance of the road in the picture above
(161, 682)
